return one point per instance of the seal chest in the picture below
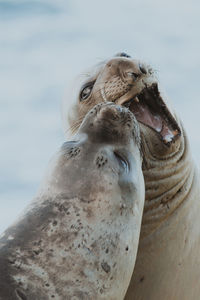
(78, 239)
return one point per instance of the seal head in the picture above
(131, 83)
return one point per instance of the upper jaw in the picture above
(144, 82)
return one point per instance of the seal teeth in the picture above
(136, 99)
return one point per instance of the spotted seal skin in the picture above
(78, 239)
(168, 259)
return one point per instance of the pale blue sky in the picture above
(44, 44)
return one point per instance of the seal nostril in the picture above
(123, 54)
(142, 69)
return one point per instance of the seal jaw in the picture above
(151, 110)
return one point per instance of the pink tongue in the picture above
(153, 120)
(145, 116)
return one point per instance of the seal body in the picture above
(78, 239)
(167, 264)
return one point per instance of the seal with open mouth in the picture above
(78, 239)
(167, 264)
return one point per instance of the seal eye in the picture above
(122, 161)
(86, 90)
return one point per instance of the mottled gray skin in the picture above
(168, 259)
(78, 239)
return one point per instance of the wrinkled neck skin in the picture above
(168, 172)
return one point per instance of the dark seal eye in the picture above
(86, 90)
(122, 161)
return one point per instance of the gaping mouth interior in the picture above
(150, 110)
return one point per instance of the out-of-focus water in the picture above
(44, 44)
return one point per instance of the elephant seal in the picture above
(168, 259)
(78, 239)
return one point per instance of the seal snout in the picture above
(125, 71)
(112, 112)
(108, 122)
(114, 115)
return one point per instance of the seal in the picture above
(79, 237)
(167, 264)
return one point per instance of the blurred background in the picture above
(45, 44)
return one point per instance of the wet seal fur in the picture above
(78, 239)
(168, 259)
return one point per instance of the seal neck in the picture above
(168, 182)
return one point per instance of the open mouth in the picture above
(150, 110)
